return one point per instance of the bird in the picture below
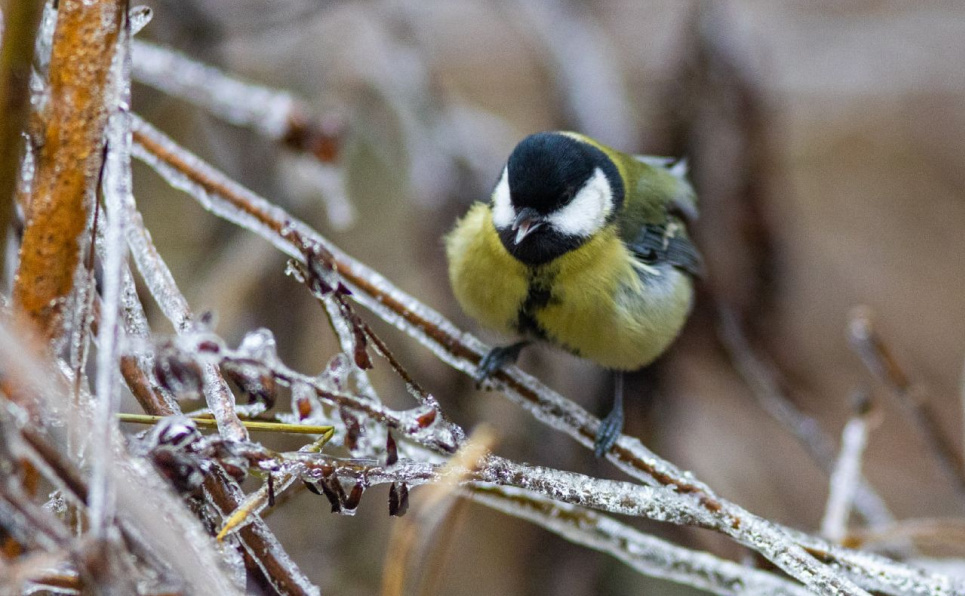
(585, 248)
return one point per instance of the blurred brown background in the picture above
(826, 141)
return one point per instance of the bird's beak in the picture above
(526, 223)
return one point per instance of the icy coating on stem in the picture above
(244, 104)
(116, 182)
(235, 203)
(175, 307)
(643, 552)
(144, 498)
(845, 479)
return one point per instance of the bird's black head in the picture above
(555, 192)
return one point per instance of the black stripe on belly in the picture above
(538, 296)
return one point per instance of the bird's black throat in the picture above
(540, 247)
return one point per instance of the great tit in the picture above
(584, 247)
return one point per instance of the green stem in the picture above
(278, 427)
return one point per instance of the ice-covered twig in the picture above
(145, 505)
(276, 114)
(760, 378)
(175, 307)
(235, 203)
(351, 330)
(879, 359)
(846, 474)
(645, 553)
(116, 183)
(420, 424)
(69, 159)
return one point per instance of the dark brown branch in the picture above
(19, 31)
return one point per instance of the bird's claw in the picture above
(495, 359)
(609, 431)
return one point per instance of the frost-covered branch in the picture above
(145, 505)
(793, 552)
(276, 114)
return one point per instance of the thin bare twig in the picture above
(879, 359)
(760, 377)
(846, 475)
(791, 551)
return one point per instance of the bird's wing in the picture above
(667, 243)
(657, 211)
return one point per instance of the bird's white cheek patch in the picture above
(503, 212)
(588, 210)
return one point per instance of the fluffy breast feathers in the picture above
(602, 305)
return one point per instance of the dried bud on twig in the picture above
(178, 374)
(398, 499)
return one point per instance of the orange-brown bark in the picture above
(69, 160)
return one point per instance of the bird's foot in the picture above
(610, 429)
(496, 358)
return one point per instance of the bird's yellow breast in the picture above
(596, 301)
(488, 282)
